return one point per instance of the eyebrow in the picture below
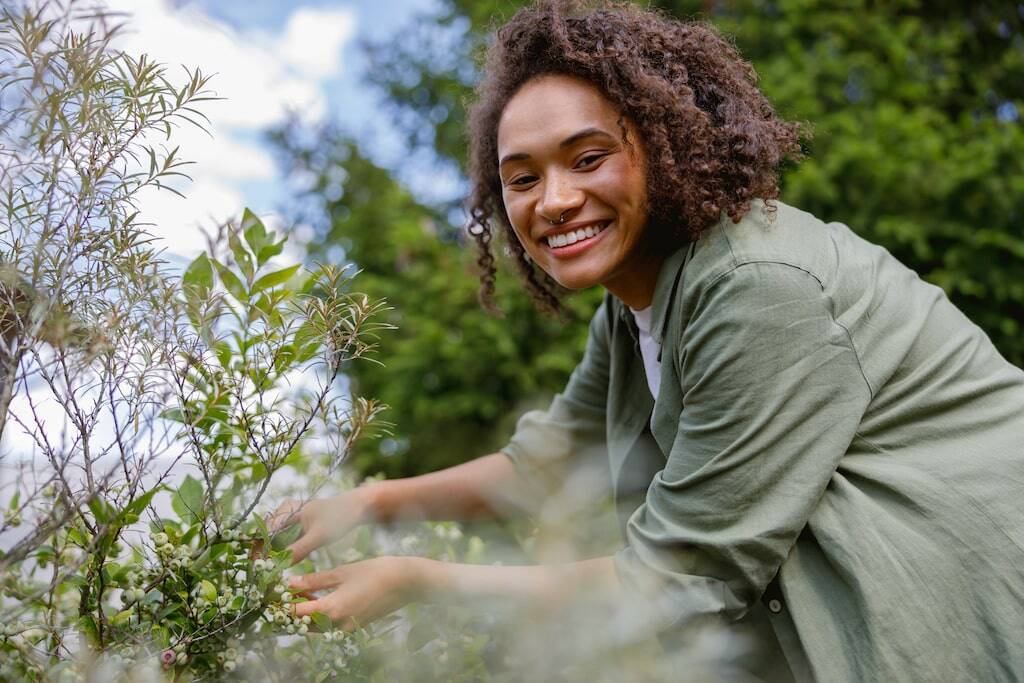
(572, 139)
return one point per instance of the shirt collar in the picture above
(664, 289)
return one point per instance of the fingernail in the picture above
(294, 581)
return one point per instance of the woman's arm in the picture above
(484, 488)
(546, 585)
(364, 591)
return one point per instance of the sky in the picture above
(267, 57)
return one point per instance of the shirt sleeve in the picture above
(548, 444)
(772, 394)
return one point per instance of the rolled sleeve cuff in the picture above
(672, 601)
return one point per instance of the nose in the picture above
(561, 198)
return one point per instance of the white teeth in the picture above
(568, 238)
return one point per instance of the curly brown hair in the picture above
(712, 139)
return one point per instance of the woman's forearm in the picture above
(486, 487)
(549, 586)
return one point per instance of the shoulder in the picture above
(770, 233)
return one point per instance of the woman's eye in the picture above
(522, 180)
(589, 160)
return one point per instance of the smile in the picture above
(566, 239)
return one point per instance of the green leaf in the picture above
(45, 553)
(192, 532)
(223, 351)
(168, 611)
(270, 251)
(187, 501)
(87, 625)
(231, 282)
(259, 471)
(199, 273)
(254, 230)
(121, 617)
(286, 537)
(278, 277)
(173, 414)
(242, 256)
(101, 510)
(137, 506)
(207, 590)
(322, 622)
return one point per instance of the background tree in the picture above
(916, 144)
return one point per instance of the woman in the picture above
(797, 426)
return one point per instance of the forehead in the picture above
(548, 109)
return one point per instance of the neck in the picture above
(634, 285)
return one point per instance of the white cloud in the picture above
(314, 37)
(260, 76)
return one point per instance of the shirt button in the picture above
(774, 606)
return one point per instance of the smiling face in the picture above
(562, 158)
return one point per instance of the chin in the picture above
(576, 280)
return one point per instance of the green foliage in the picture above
(915, 111)
(185, 600)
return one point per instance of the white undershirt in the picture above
(648, 349)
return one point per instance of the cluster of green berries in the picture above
(342, 653)
(230, 658)
(282, 618)
(448, 533)
(179, 557)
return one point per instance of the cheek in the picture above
(514, 215)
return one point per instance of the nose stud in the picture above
(561, 219)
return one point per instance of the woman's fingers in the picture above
(276, 520)
(307, 608)
(316, 581)
(361, 592)
(306, 544)
(285, 515)
(345, 623)
(334, 606)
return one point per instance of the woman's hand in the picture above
(360, 592)
(323, 520)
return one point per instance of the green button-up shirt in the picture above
(833, 444)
